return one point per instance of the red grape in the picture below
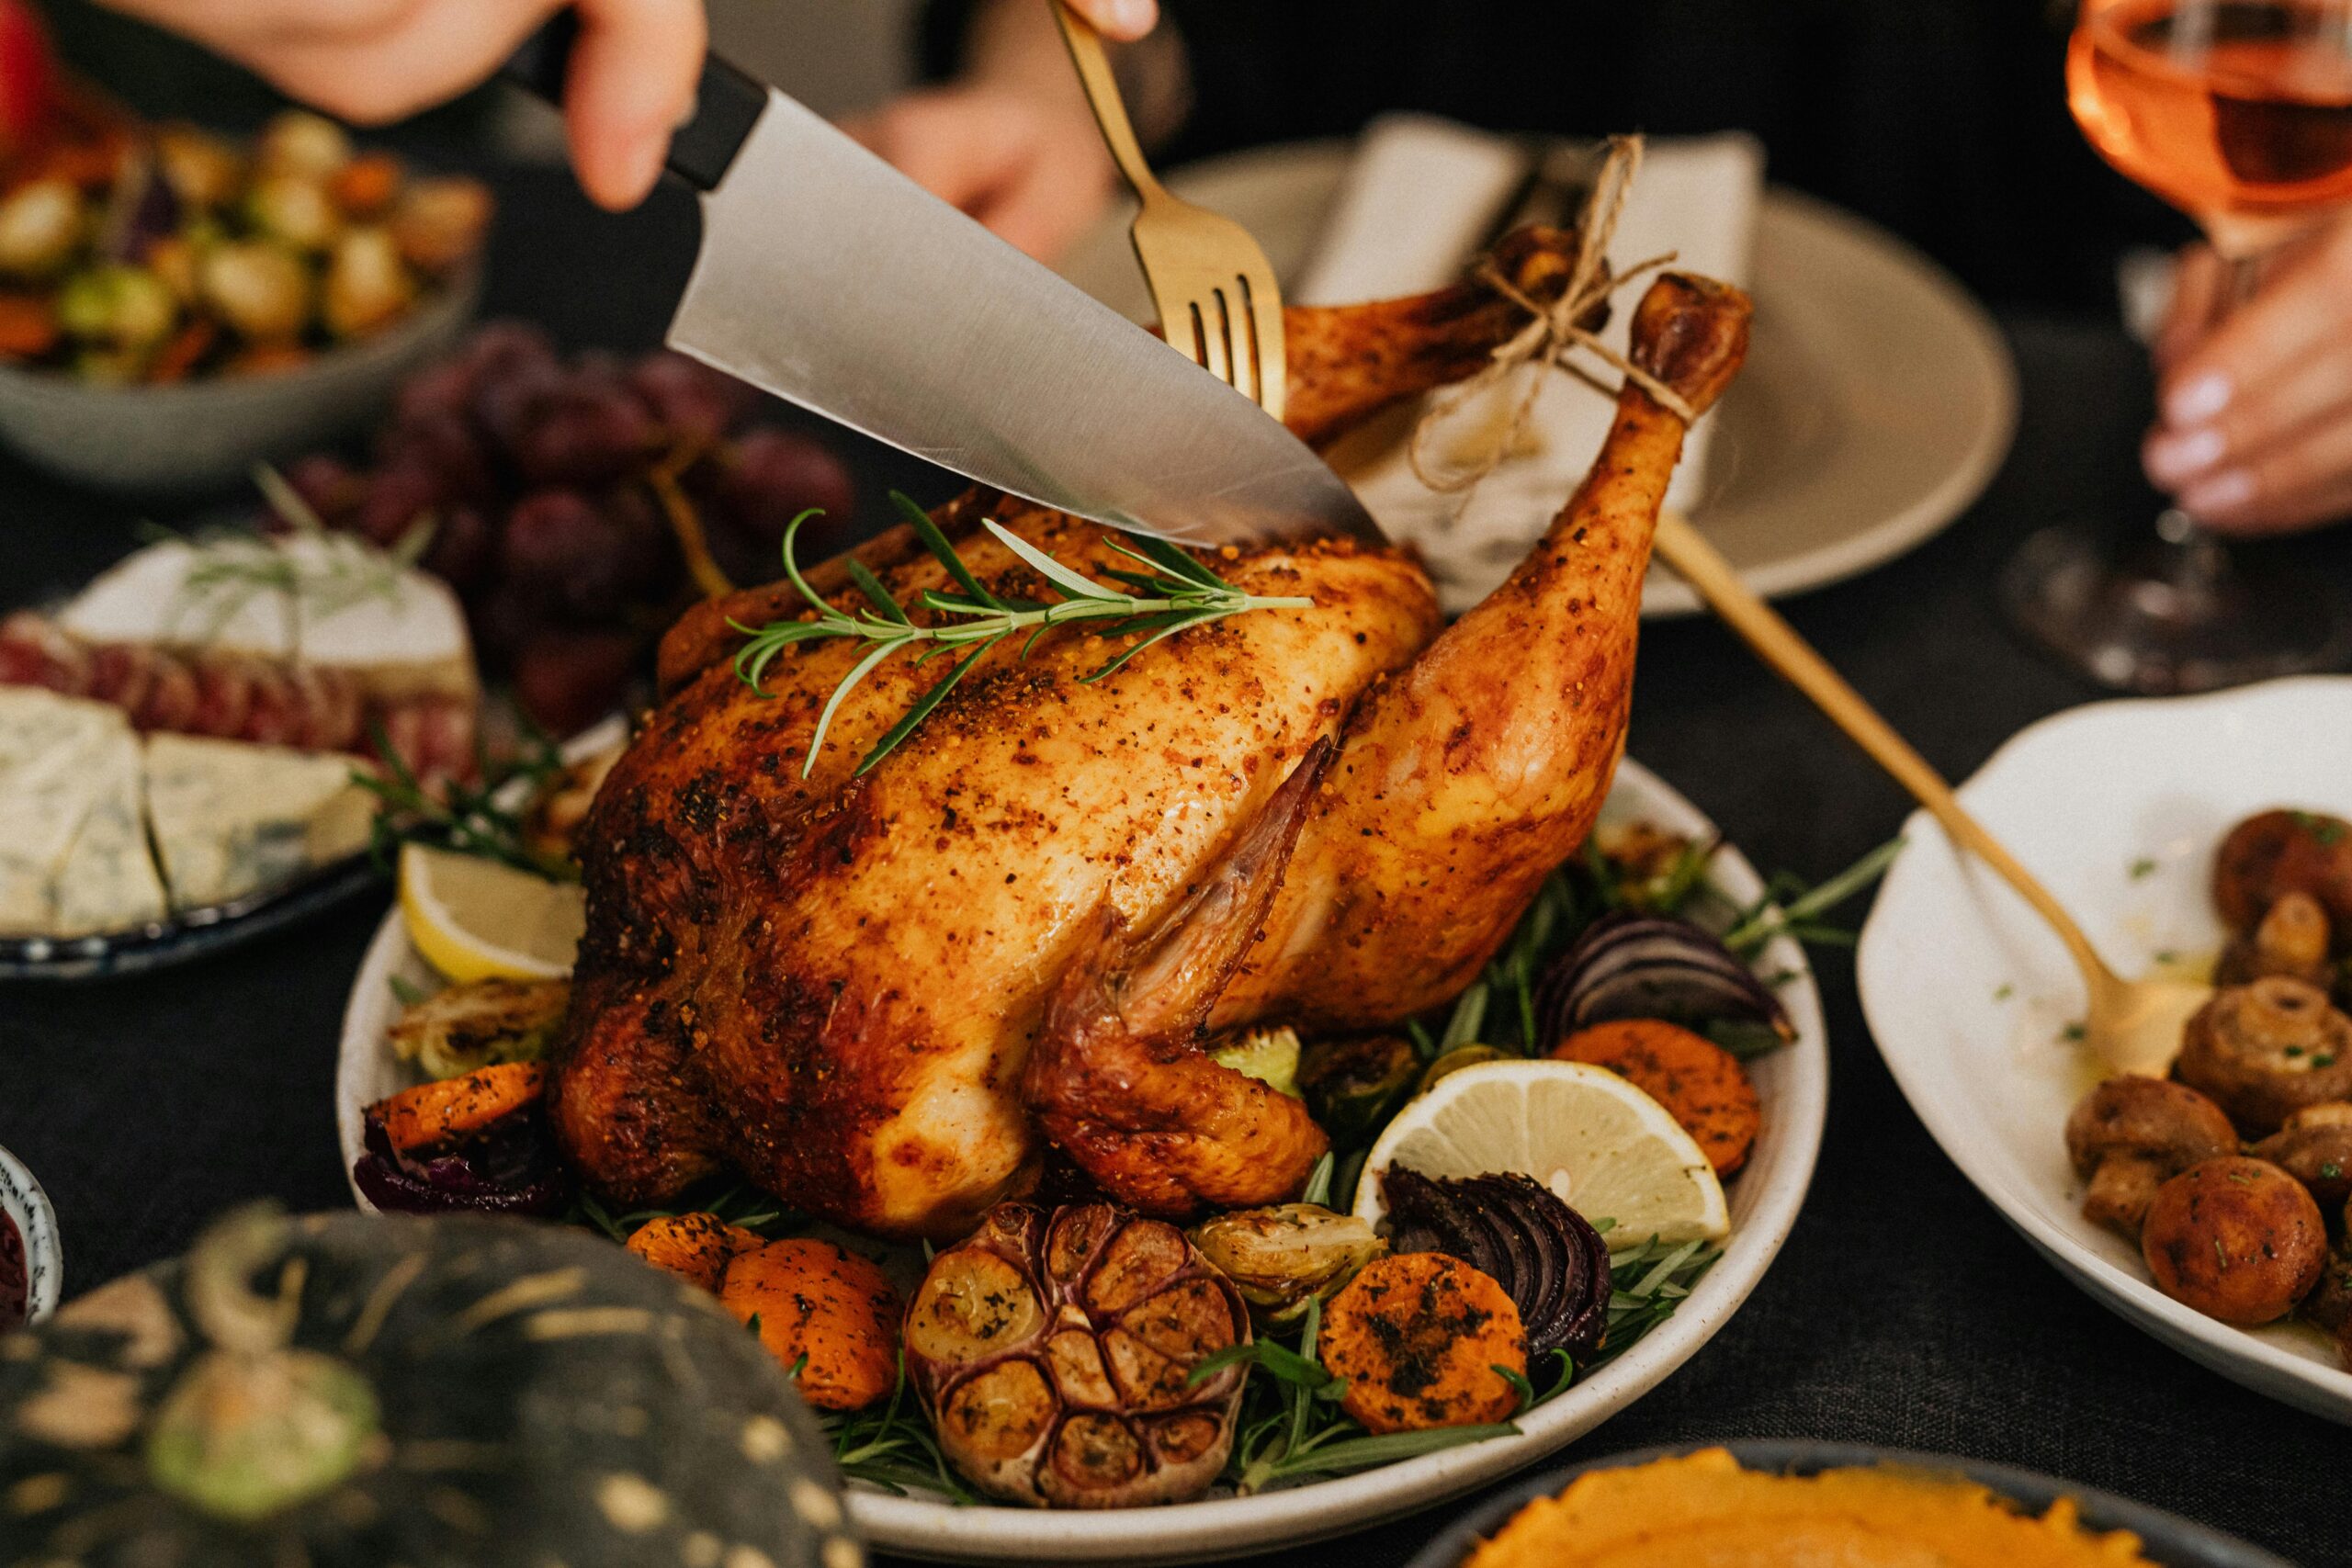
(589, 428)
(397, 494)
(768, 476)
(327, 486)
(690, 400)
(445, 387)
(463, 549)
(447, 444)
(567, 679)
(571, 552)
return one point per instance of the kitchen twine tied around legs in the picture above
(1550, 337)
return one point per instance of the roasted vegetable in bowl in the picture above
(476, 1142)
(354, 1389)
(1056, 1353)
(1629, 965)
(188, 256)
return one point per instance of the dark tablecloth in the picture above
(1902, 1311)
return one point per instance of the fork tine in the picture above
(1243, 335)
(1216, 334)
(1264, 305)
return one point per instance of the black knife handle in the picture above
(727, 101)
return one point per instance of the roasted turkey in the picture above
(880, 999)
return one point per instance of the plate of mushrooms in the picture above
(2205, 837)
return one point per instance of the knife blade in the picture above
(834, 281)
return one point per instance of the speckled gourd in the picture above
(346, 1391)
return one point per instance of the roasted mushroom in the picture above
(2266, 1050)
(1056, 1350)
(2329, 1305)
(2274, 853)
(2314, 1146)
(2237, 1239)
(2291, 940)
(2131, 1136)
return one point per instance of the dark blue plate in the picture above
(2163, 1538)
(188, 935)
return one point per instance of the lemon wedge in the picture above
(1609, 1150)
(476, 920)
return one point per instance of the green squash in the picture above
(356, 1392)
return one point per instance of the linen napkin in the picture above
(1421, 193)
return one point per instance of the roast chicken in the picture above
(883, 999)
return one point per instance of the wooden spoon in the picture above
(2134, 1025)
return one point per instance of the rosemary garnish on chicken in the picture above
(1171, 593)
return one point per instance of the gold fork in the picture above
(1216, 291)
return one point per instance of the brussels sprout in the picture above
(261, 290)
(1283, 1257)
(293, 210)
(368, 285)
(300, 142)
(40, 225)
(1351, 1085)
(439, 222)
(1270, 1055)
(203, 170)
(123, 307)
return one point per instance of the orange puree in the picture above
(1704, 1511)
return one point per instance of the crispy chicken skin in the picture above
(870, 995)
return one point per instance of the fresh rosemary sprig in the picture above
(483, 818)
(1171, 593)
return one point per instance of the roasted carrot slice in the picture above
(436, 1112)
(28, 326)
(1418, 1337)
(366, 184)
(696, 1246)
(817, 1300)
(179, 355)
(1699, 1082)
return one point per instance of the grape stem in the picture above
(1172, 592)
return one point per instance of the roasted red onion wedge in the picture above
(1552, 1264)
(510, 1167)
(1635, 966)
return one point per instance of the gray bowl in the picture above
(22, 1201)
(2163, 1538)
(208, 433)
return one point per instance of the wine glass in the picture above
(2238, 112)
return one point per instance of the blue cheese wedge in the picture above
(48, 789)
(108, 881)
(232, 818)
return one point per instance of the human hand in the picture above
(2255, 428)
(1012, 141)
(632, 76)
(1035, 171)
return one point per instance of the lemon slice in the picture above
(476, 920)
(1609, 1150)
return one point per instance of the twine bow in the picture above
(1552, 334)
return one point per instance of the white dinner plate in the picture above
(2117, 807)
(1876, 403)
(1793, 1083)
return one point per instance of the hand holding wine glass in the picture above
(2239, 112)
(2254, 427)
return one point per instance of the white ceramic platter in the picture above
(2117, 806)
(1877, 399)
(1793, 1085)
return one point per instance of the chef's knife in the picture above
(831, 279)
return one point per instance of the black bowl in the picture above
(2163, 1538)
